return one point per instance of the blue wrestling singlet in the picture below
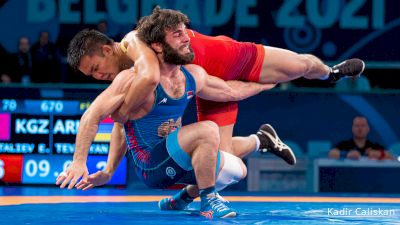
(152, 140)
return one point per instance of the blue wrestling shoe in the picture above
(175, 202)
(213, 206)
(347, 68)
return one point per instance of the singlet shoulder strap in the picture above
(122, 46)
(190, 81)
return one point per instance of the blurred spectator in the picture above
(359, 145)
(22, 62)
(45, 63)
(353, 84)
(62, 46)
(5, 69)
(102, 26)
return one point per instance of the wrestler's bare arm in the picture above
(104, 105)
(215, 89)
(115, 154)
(148, 73)
(117, 148)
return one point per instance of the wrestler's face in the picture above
(176, 48)
(103, 66)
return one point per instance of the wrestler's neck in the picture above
(169, 70)
(124, 61)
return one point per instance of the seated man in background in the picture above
(359, 145)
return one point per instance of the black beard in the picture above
(172, 56)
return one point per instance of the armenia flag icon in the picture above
(104, 131)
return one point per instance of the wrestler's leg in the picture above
(237, 146)
(200, 142)
(265, 140)
(231, 170)
(242, 147)
(282, 65)
(225, 143)
(225, 116)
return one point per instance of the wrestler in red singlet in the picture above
(227, 59)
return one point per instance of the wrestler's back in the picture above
(221, 56)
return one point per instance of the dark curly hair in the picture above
(152, 28)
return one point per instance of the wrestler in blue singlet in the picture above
(153, 139)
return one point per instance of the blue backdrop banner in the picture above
(331, 29)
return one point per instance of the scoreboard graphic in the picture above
(5, 127)
(44, 169)
(37, 140)
(46, 127)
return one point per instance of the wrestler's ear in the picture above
(157, 47)
(107, 50)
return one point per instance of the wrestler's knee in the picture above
(244, 168)
(232, 171)
(209, 131)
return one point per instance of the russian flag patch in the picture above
(189, 94)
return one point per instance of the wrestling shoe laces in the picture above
(217, 204)
(214, 206)
(348, 68)
(270, 142)
(221, 198)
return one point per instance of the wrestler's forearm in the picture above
(217, 90)
(241, 90)
(86, 133)
(148, 74)
(117, 149)
(103, 106)
(234, 91)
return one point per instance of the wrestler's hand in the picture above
(72, 174)
(97, 179)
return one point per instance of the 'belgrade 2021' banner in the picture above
(332, 29)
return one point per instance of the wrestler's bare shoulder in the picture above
(131, 36)
(197, 71)
(194, 69)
